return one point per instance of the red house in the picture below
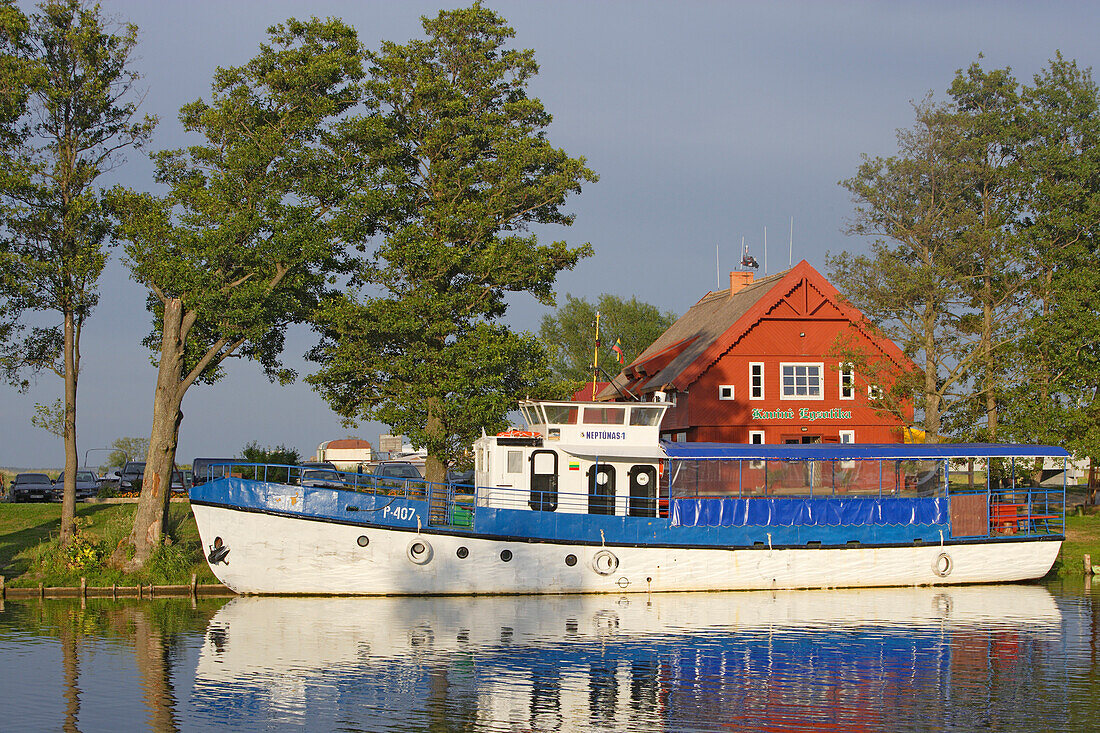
(752, 364)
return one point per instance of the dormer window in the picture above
(725, 392)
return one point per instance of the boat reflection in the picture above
(847, 659)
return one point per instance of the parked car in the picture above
(320, 474)
(32, 487)
(397, 469)
(131, 476)
(461, 478)
(87, 484)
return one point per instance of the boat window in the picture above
(515, 461)
(648, 416)
(527, 416)
(560, 414)
(604, 415)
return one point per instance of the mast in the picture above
(596, 357)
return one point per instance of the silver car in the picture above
(87, 484)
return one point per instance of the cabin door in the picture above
(544, 481)
(643, 491)
(601, 489)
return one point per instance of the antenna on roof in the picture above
(747, 260)
(717, 269)
(765, 249)
(790, 247)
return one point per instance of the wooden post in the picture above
(83, 587)
(41, 591)
(4, 590)
(139, 591)
(114, 591)
(1088, 564)
(194, 584)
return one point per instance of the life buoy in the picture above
(519, 434)
(942, 565)
(419, 551)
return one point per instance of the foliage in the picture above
(461, 153)
(50, 418)
(280, 454)
(126, 449)
(568, 334)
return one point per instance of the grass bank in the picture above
(1082, 538)
(30, 553)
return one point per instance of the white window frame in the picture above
(874, 392)
(847, 434)
(820, 381)
(724, 387)
(753, 434)
(848, 370)
(753, 387)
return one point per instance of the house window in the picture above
(874, 392)
(847, 436)
(801, 381)
(756, 437)
(756, 380)
(847, 382)
(725, 392)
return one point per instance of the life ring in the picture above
(942, 565)
(519, 434)
(604, 562)
(419, 551)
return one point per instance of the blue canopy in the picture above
(856, 451)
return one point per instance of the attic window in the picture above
(801, 381)
(725, 392)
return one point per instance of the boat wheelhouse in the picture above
(585, 498)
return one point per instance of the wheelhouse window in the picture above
(847, 382)
(725, 392)
(560, 414)
(604, 415)
(756, 380)
(646, 416)
(801, 381)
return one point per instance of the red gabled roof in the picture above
(713, 325)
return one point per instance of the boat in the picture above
(586, 498)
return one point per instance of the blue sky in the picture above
(707, 122)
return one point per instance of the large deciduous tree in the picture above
(68, 112)
(254, 224)
(911, 284)
(467, 168)
(569, 332)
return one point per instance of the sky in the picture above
(706, 122)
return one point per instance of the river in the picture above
(1008, 657)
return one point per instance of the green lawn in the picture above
(1082, 537)
(29, 552)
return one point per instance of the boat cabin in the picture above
(577, 458)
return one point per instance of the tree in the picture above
(252, 227)
(568, 333)
(467, 168)
(911, 286)
(1057, 400)
(126, 449)
(67, 114)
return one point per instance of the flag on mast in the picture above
(618, 349)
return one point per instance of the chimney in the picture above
(739, 281)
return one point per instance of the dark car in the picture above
(208, 469)
(87, 484)
(397, 469)
(461, 478)
(32, 487)
(131, 476)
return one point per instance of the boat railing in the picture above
(449, 503)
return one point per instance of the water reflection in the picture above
(997, 657)
(879, 659)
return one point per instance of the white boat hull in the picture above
(270, 553)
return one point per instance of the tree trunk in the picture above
(68, 498)
(156, 487)
(434, 468)
(990, 386)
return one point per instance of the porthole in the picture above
(570, 560)
(419, 551)
(462, 553)
(506, 555)
(363, 540)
